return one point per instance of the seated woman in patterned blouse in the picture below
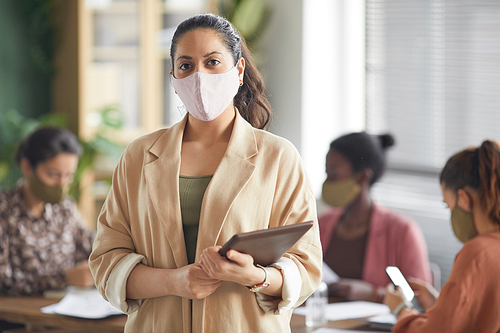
(43, 243)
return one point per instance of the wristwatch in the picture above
(261, 286)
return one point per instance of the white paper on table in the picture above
(336, 330)
(350, 310)
(328, 275)
(387, 318)
(84, 304)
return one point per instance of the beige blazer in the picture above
(259, 183)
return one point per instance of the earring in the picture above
(241, 83)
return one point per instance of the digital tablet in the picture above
(267, 246)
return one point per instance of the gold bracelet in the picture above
(263, 285)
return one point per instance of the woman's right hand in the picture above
(192, 282)
(425, 293)
(189, 281)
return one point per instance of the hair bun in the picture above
(386, 140)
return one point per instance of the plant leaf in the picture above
(248, 16)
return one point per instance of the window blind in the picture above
(432, 77)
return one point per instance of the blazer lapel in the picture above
(162, 181)
(232, 174)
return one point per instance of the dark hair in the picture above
(364, 151)
(46, 143)
(250, 100)
(479, 169)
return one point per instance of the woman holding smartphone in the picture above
(470, 300)
(360, 237)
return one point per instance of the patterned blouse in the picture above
(35, 252)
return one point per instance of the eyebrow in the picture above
(205, 56)
(214, 52)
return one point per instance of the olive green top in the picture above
(191, 191)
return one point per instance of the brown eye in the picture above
(213, 62)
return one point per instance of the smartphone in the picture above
(399, 280)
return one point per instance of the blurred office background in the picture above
(428, 71)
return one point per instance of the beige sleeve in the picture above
(116, 286)
(292, 283)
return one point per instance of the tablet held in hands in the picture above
(267, 246)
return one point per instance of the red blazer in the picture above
(393, 240)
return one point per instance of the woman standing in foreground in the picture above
(470, 299)
(180, 193)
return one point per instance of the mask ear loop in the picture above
(182, 110)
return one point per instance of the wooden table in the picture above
(298, 325)
(26, 310)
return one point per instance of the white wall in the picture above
(315, 74)
(282, 71)
(314, 71)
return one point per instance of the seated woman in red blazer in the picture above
(360, 238)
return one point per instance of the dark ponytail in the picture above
(489, 175)
(250, 100)
(479, 169)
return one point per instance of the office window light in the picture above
(432, 77)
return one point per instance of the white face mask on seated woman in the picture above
(206, 95)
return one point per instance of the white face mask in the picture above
(205, 95)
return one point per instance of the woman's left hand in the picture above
(239, 268)
(425, 293)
